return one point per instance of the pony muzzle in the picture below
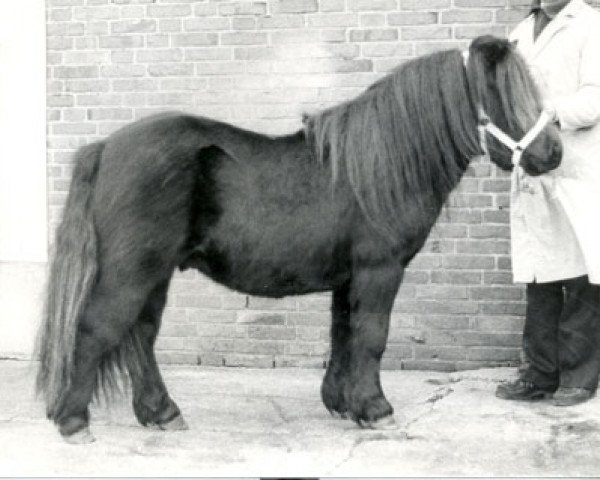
(517, 148)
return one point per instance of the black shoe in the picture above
(567, 396)
(522, 390)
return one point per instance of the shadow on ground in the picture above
(259, 423)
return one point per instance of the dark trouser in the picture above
(561, 338)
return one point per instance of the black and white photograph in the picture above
(299, 239)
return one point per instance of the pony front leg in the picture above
(333, 386)
(371, 298)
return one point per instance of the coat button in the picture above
(526, 187)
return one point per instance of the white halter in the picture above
(517, 148)
(487, 126)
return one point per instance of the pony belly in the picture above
(273, 286)
(262, 278)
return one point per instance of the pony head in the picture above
(514, 129)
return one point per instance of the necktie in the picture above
(541, 20)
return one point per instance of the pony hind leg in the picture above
(152, 404)
(334, 382)
(101, 342)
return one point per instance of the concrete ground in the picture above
(258, 423)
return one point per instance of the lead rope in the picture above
(485, 126)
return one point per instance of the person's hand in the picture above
(551, 112)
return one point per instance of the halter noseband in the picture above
(517, 148)
(485, 125)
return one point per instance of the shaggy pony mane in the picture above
(410, 136)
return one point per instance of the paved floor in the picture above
(253, 423)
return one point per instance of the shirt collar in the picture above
(551, 10)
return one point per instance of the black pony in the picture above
(343, 205)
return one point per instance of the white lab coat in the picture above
(556, 228)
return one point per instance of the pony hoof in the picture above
(81, 437)
(338, 415)
(385, 423)
(177, 424)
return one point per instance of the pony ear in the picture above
(493, 49)
(307, 120)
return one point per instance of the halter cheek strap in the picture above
(465, 54)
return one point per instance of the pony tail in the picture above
(72, 275)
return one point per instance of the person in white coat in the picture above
(555, 221)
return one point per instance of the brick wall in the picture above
(260, 64)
